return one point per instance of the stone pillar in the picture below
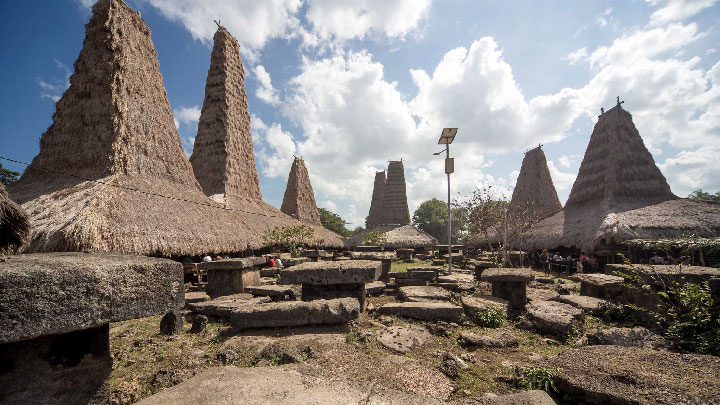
(515, 292)
(385, 274)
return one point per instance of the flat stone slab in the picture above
(295, 313)
(541, 294)
(628, 337)
(345, 272)
(424, 311)
(295, 384)
(585, 303)
(294, 261)
(54, 293)
(223, 306)
(313, 253)
(630, 375)
(496, 339)
(403, 338)
(272, 291)
(476, 305)
(233, 264)
(373, 255)
(376, 287)
(457, 278)
(553, 317)
(423, 294)
(534, 397)
(600, 280)
(507, 274)
(192, 297)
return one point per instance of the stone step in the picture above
(587, 304)
(376, 287)
(423, 294)
(223, 306)
(424, 311)
(295, 313)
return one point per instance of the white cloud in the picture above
(569, 160)
(563, 181)
(605, 17)
(265, 90)
(678, 10)
(330, 206)
(188, 115)
(710, 51)
(54, 88)
(693, 169)
(275, 148)
(347, 19)
(580, 55)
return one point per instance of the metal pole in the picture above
(449, 226)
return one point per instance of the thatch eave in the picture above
(14, 224)
(397, 236)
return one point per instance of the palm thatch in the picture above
(299, 199)
(396, 236)
(111, 174)
(223, 158)
(534, 195)
(378, 195)
(620, 194)
(395, 209)
(14, 225)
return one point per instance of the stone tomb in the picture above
(601, 286)
(509, 284)
(385, 258)
(231, 276)
(329, 280)
(314, 255)
(56, 310)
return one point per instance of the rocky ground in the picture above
(393, 358)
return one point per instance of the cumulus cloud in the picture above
(693, 169)
(188, 115)
(275, 148)
(348, 19)
(265, 90)
(678, 10)
(563, 181)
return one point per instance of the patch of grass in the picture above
(494, 318)
(537, 378)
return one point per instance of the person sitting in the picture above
(278, 263)
(225, 256)
(207, 258)
(218, 257)
(249, 251)
(569, 264)
(272, 262)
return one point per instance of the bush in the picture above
(374, 239)
(537, 378)
(493, 318)
(289, 237)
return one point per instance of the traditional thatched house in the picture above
(223, 159)
(299, 199)
(111, 174)
(620, 194)
(389, 213)
(534, 196)
(14, 226)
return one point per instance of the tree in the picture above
(288, 237)
(7, 176)
(431, 218)
(486, 213)
(702, 195)
(333, 222)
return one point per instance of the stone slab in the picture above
(376, 287)
(552, 317)
(403, 338)
(600, 285)
(507, 274)
(228, 281)
(587, 304)
(424, 311)
(423, 294)
(476, 305)
(496, 339)
(294, 384)
(294, 261)
(628, 375)
(404, 282)
(223, 306)
(272, 291)
(295, 313)
(628, 337)
(457, 278)
(313, 253)
(417, 274)
(233, 264)
(269, 272)
(345, 272)
(541, 294)
(534, 397)
(373, 255)
(54, 293)
(192, 297)
(368, 248)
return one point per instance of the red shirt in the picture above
(272, 262)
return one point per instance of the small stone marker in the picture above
(231, 276)
(171, 323)
(509, 284)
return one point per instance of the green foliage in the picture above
(616, 312)
(703, 195)
(431, 217)
(8, 176)
(537, 378)
(354, 337)
(374, 239)
(333, 222)
(687, 309)
(687, 244)
(493, 318)
(288, 237)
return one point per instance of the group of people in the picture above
(668, 259)
(556, 261)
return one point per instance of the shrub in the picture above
(537, 378)
(288, 237)
(493, 318)
(374, 239)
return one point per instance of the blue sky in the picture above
(349, 85)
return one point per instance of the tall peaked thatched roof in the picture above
(378, 195)
(223, 158)
(14, 226)
(534, 195)
(111, 174)
(620, 194)
(299, 199)
(395, 206)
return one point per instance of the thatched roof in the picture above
(396, 236)
(620, 194)
(14, 226)
(111, 174)
(223, 159)
(534, 195)
(377, 199)
(395, 209)
(299, 199)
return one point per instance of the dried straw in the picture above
(534, 195)
(299, 198)
(395, 209)
(397, 236)
(14, 225)
(378, 195)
